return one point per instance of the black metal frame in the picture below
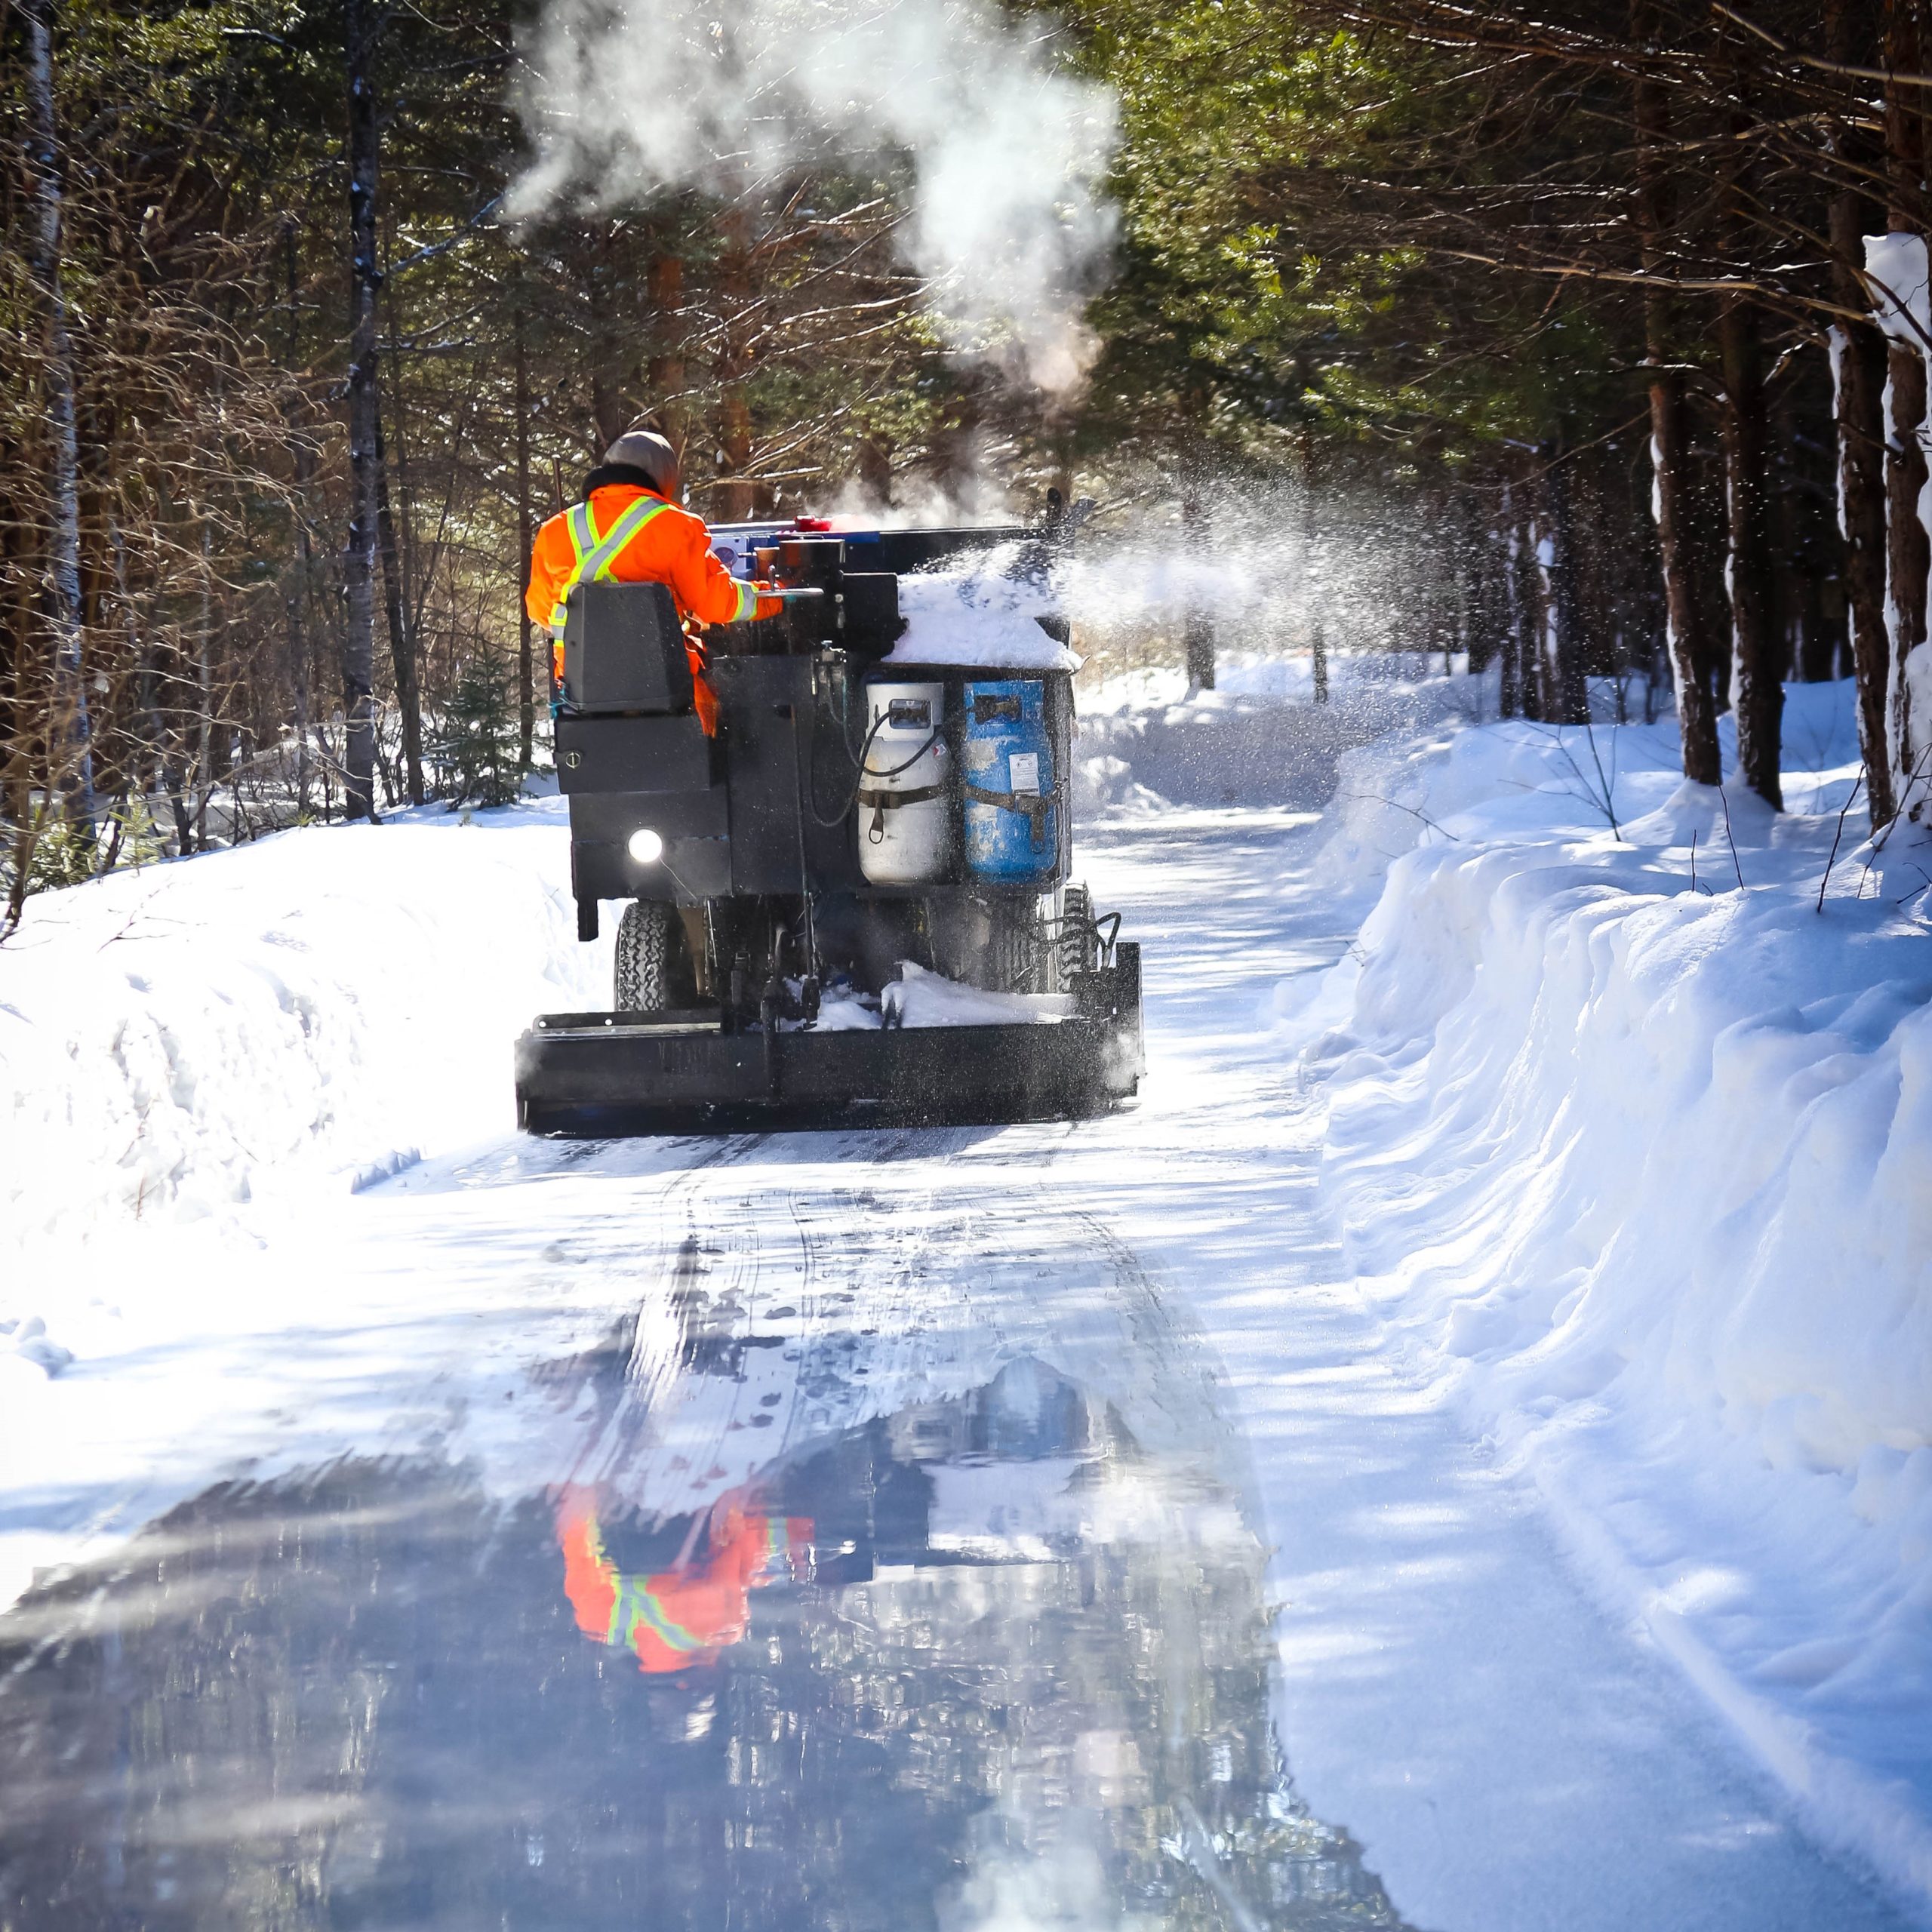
(738, 814)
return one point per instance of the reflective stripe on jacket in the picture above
(644, 539)
(593, 556)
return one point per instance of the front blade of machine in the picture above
(594, 1074)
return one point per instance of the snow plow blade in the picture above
(598, 1076)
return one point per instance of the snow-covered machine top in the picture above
(979, 597)
(853, 899)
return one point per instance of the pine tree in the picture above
(479, 751)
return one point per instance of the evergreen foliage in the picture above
(479, 753)
(1428, 255)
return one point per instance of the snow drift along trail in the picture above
(1641, 1174)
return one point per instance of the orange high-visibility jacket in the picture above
(633, 535)
(685, 1616)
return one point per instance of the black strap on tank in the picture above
(882, 802)
(1031, 805)
(862, 769)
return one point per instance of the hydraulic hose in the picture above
(864, 769)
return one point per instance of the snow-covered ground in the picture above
(1552, 1234)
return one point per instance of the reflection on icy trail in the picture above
(981, 1662)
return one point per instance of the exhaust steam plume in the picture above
(1009, 221)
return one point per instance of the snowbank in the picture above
(1147, 741)
(1641, 1172)
(307, 1011)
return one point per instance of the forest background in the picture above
(1589, 341)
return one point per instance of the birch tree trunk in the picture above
(358, 648)
(1907, 738)
(1568, 689)
(70, 749)
(1858, 378)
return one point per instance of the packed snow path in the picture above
(1481, 1748)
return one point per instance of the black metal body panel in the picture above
(765, 703)
(871, 624)
(901, 551)
(597, 1074)
(696, 864)
(624, 649)
(769, 708)
(632, 755)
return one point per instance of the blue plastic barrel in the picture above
(1012, 823)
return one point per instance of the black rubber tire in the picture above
(1077, 947)
(1019, 958)
(646, 943)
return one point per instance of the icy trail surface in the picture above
(1128, 1360)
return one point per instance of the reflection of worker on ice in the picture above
(688, 1614)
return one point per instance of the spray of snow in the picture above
(1262, 563)
(1008, 151)
(1257, 566)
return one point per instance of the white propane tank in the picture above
(905, 817)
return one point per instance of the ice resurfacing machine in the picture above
(851, 903)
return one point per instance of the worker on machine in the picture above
(630, 527)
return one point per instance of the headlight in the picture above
(646, 847)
